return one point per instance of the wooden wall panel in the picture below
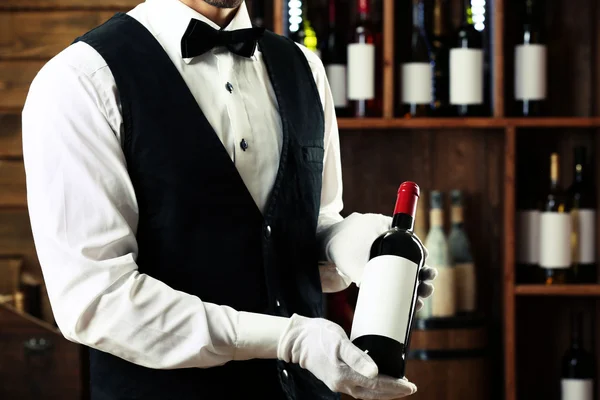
(11, 145)
(12, 182)
(69, 4)
(42, 35)
(15, 78)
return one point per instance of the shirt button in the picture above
(229, 87)
(268, 231)
(244, 144)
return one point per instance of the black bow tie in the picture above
(201, 37)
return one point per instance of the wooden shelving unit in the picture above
(558, 290)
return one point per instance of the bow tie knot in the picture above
(201, 37)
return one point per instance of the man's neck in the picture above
(220, 16)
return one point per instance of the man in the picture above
(183, 176)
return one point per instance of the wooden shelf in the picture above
(478, 123)
(557, 290)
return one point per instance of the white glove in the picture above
(323, 348)
(348, 246)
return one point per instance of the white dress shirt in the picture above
(83, 208)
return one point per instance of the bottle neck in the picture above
(363, 10)
(554, 172)
(418, 19)
(440, 27)
(332, 15)
(403, 221)
(436, 218)
(457, 216)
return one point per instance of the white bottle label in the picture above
(466, 287)
(555, 240)
(466, 76)
(336, 75)
(417, 85)
(586, 236)
(530, 72)
(577, 389)
(528, 237)
(361, 71)
(385, 297)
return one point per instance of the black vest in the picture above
(199, 229)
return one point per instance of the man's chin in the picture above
(224, 3)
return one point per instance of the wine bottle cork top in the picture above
(436, 200)
(408, 196)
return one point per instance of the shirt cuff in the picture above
(258, 335)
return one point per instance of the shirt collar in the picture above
(170, 19)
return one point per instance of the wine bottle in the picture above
(466, 68)
(440, 54)
(334, 58)
(460, 252)
(417, 74)
(577, 381)
(443, 301)
(388, 292)
(361, 64)
(583, 198)
(555, 231)
(530, 62)
(527, 230)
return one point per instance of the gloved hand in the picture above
(349, 245)
(323, 348)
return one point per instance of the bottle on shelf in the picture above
(460, 252)
(301, 29)
(443, 301)
(527, 230)
(388, 292)
(416, 74)
(555, 231)
(467, 69)
(583, 199)
(440, 43)
(362, 56)
(530, 62)
(578, 367)
(334, 59)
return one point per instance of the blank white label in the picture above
(336, 75)
(586, 237)
(466, 287)
(555, 240)
(577, 389)
(386, 293)
(466, 76)
(528, 237)
(416, 83)
(530, 72)
(361, 71)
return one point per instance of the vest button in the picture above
(285, 374)
(268, 231)
(277, 303)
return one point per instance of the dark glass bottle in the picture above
(467, 68)
(555, 231)
(334, 59)
(582, 195)
(440, 41)
(578, 366)
(417, 79)
(530, 62)
(389, 285)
